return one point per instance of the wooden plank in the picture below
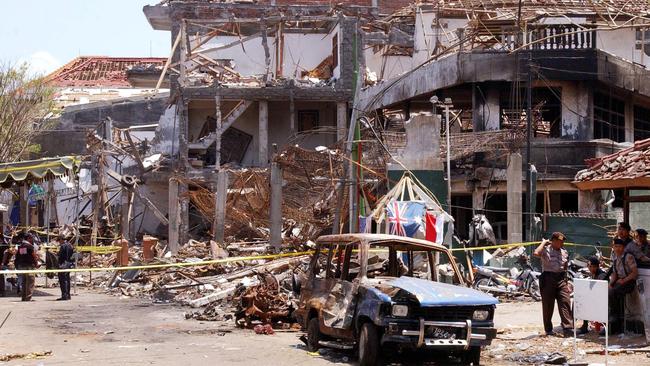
(169, 59)
(136, 153)
(642, 182)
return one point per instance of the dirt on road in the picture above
(100, 329)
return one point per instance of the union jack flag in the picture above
(405, 217)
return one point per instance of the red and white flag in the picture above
(435, 224)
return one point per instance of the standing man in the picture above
(65, 262)
(26, 259)
(621, 283)
(553, 282)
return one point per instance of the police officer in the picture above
(621, 283)
(65, 262)
(553, 282)
(26, 259)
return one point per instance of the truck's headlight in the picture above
(400, 310)
(480, 315)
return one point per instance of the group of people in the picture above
(627, 254)
(23, 248)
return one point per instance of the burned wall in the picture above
(75, 121)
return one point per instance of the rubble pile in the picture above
(308, 193)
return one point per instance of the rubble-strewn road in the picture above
(97, 329)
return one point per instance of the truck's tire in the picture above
(368, 345)
(313, 335)
(472, 356)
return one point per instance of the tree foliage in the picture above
(25, 101)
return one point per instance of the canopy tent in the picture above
(408, 189)
(41, 169)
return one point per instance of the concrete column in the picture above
(577, 123)
(263, 139)
(292, 116)
(590, 201)
(341, 120)
(276, 206)
(629, 120)
(478, 197)
(174, 216)
(486, 108)
(125, 224)
(221, 195)
(514, 189)
(184, 227)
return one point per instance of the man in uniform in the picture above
(26, 259)
(621, 282)
(553, 282)
(65, 262)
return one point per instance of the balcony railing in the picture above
(561, 37)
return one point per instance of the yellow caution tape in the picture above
(234, 259)
(468, 249)
(101, 249)
(159, 266)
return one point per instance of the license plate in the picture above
(440, 333)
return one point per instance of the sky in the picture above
(48, 34)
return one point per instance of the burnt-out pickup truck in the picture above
(381, 292)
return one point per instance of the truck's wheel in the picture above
(472, 356)
(368, 345)
(313, 335)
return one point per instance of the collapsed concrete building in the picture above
(248, 77)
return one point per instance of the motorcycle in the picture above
(509, 281)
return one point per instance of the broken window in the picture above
(547, 111)
(641, 123)
(643, 40)
(308, 120)
(609, 117)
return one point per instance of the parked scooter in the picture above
(509, 281)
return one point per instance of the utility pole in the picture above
(447, 105)
(529, 135)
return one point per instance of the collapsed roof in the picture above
(101, 71)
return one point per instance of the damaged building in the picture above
(589, 96)
(247, 78)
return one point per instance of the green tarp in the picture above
(37, 169)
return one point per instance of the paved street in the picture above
(99, 329)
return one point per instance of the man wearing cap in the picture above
(65, 262)
(640, 248)
(553, 282)
(621, 282)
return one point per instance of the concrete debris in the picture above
(24, 356)
(264, 329)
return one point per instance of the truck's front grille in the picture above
(446, 313)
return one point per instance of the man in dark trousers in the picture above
(26, 259)
(621, 282)
(65, 262)
(554, 284)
